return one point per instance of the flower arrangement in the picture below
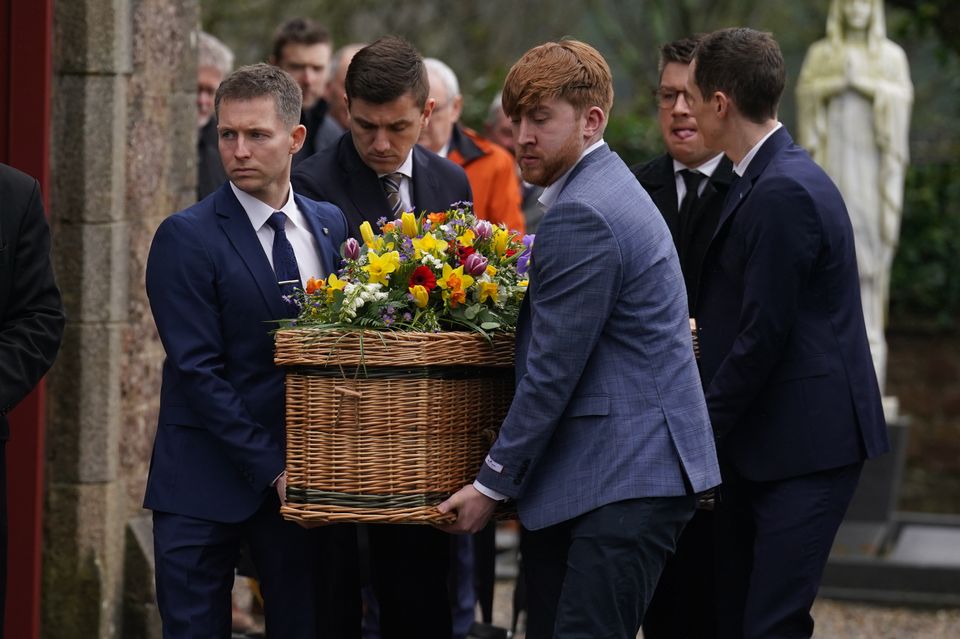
(437, 271)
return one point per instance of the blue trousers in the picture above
(592, 577)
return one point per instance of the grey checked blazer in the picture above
(608, 404)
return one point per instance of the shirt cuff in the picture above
(273, 484)
(487, 492)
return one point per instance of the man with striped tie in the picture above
(377, 169)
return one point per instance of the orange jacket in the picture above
(492, 176)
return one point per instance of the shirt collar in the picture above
(259, 212)
(707, 168)
(550, 193)
(741, 167)
(405, 169)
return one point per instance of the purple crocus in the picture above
(351, 249)
(475, 264)
(483, 230)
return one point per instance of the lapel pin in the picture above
(326, 231)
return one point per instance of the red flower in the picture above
(511, 252)
(463, 252)
(424, 277)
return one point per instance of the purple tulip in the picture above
(475, 264)
(351, 249)
(483, 230)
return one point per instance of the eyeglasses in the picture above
(667, 98)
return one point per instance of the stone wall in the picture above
(122, 159)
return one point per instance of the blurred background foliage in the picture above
(481, 39)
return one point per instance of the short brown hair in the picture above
(744, 64)
(298, 31)
(569, 70)
(680, 51)
(258, 80)
(386, 70)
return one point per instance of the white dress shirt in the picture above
(741, 167)
(305, 246)
(707, 168)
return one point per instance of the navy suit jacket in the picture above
(784, 355)
(338, 175)
(608, 405)
(220, 438)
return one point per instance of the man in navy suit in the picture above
(607, 440)
(789, 381)
(218, 277)
(688, 184)
(376, 171)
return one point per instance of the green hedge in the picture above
(925, 282)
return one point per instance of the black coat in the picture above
(31, 313)
(338, 175)
(658, 180)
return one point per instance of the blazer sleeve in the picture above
(781, 236)
(182, 287)
(31, 326)
(578, 270)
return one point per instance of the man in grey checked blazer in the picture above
(608, 439)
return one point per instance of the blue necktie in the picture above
(284, 259)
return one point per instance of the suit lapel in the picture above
(740, 188)
(425, 185)
(236, 226)
(328, 252)
(362, 185)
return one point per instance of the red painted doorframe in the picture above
(26, 28)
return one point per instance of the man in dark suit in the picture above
(302, 48)
(387, 96)
(376, 170)
(607, 439)
(31, 314)
(789, 381)
(217, 277)
(688, 184)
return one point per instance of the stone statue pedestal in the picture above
(884, 555)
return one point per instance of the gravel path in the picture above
(834, 619)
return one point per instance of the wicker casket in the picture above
(382, 426)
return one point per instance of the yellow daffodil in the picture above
(488, 291)
(491, 270)
(429, 244)
(366, 232)
(500, 238)
(420, 295)
(467, 238)
(454, 279)
(381, 266)
(408, 224)
(334, 284)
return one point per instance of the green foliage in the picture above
(925, 282)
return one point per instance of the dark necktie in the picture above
(692, 180)
(284, 259)
(391, 188)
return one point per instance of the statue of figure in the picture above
(854, 98)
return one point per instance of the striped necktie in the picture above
(391, 188)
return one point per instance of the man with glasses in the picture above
(688, 184)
